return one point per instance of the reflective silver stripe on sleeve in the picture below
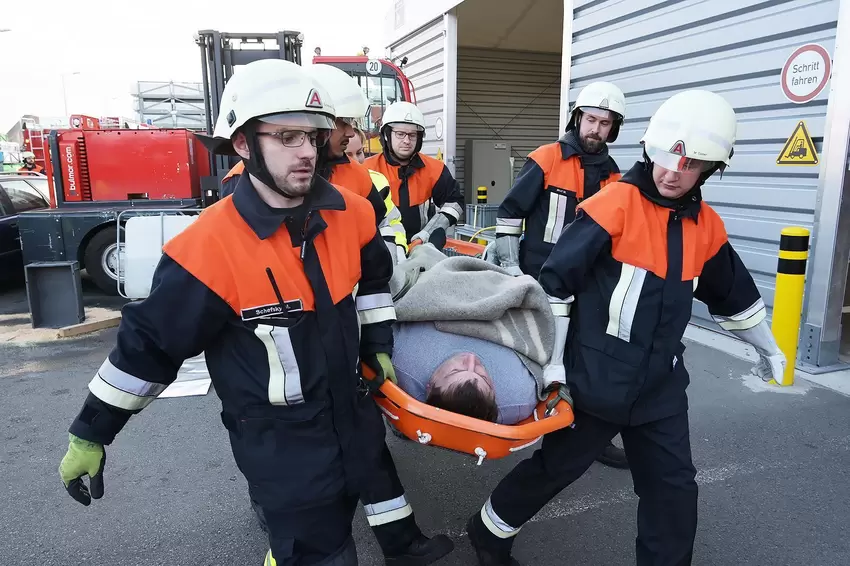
(559, 308)
(624, 300)
(423, 213)
(509, 226)
(375, 308)
(495, 524)
(452, 209)
(743, 320)
(359, 324)
(555, 222)
(123, 390)
(387, 232)
(284, 374)
(378, 300)
(696, 282)
(387, 511)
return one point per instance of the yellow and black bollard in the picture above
(788, 297)
(482, 195)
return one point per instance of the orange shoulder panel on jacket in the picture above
(352, 176)
(339, 246)
(701, 241)
(612, 178)
(234, 171)
(433, 168)
(379, 163)
(199, 250)
(361, 214)
(546, 155)
(637, 227)
(376, 162)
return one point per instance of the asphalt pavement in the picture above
(773, 475)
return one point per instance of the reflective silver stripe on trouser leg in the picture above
(624, 301)
(745, 319)
(284, 374)
(555, 221)
(120, 389)
(387, 511)
(495, 524)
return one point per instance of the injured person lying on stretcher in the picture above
(474, 339)
(470, 338)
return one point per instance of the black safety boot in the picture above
(421, 551)
(488, 555)
(614, 457)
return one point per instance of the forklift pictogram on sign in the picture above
(799, 149)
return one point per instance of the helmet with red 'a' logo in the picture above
(692, 129)
(274, 91)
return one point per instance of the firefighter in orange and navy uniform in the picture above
(422, 187)
(284, 287)
(555, 178)
(558, 176)
(629, 266)
(29, 163)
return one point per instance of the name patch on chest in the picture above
(272, 311)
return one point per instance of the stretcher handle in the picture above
(562, 417)
(460, 246)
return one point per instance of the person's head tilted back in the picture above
(462, 385)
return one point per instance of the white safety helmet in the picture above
(403, 113)
(348, 97)
(275, 91)
(27, 154)
(695, 128)
(600, 99)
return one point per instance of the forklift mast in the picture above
(221, 52)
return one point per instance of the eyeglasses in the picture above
(401, 136)
(295, 138)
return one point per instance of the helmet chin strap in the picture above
(256, 165)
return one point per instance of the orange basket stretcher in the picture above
(431, 426)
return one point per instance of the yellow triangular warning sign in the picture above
(799, 149)
(440, 153)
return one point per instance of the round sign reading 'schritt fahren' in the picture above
(806, 73)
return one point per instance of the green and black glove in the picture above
(382, 365)
(83, 458)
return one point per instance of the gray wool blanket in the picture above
(472, 297)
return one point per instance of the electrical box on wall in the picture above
(487, 163)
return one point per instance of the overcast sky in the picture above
(114, 44)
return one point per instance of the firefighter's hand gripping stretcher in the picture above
(477, 361)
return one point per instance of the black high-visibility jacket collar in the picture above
(265, 220)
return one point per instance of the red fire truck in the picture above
(383, 81)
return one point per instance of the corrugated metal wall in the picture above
(424, 50)
(507, 95)
(654, 48)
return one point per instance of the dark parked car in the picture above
(18, 193)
